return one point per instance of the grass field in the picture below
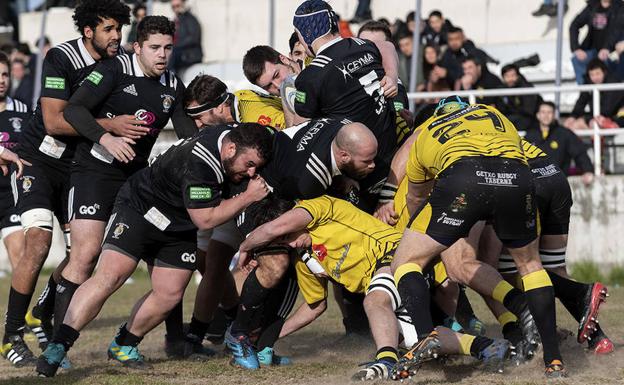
(321, 353)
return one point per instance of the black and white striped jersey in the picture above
(189, 175)
(12, 122)
(302, 166)
(65, 66)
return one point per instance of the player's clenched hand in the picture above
(256, 189)
(389, 86)
(385, 213)
(7, 157)
(119, 147)
(125, 125)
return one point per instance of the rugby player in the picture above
(355, 250)
(49, 143)
(155, 218)
(13, 116)
(468, 165)
(137, 84)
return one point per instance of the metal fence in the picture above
(596, 132)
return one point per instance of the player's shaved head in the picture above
(356, 150)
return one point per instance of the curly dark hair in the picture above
(151, 25)
(254, 136)
(89, 13)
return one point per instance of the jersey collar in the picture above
(220, 143)
(138, 72)
(10, 104)
(86, 56)
(328, 44)
(334, 165)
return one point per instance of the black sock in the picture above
(64, 292)
(198, 328)
(66, 335)
(16, 311)
(44, 308)
(270, 334)
(125, 338)
(415, 297)
(570, 293)
(515, 302)
(542, 305)
(174, 323)
(251, 298)
(478, 344)
(464, 311)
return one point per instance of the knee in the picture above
(377, 300)
(168, 298)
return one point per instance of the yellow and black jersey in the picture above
(347, 242)
(475, 131)
(532, 152)
(253, 107)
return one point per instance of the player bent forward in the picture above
(358, 258)
(155, 218)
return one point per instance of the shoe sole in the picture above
(44, 369)
(233, 363)
(130, 364)
(411, 361)
(587, 326)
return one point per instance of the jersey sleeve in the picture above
(202, 184)
(312, 288)
(55, 75)
(307, 97)
(320, 209)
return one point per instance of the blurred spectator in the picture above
(611, 102)
(187, 48)
(297, 51)
(343, 27)
(410, 22)
(436, 28)
(561, 144)
(549, 8)
(406, 46)
(435, 76)
(138, 13)
(596, 16)
(520, 109)
(23, 90)
(32, 60)
(18, 72)
(458, 49)
(477, 77)
(362, 12)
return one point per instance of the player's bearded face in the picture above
(242, 164)
(106, 38)
(5, 80)
(154, 53)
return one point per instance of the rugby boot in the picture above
(51, 359)
(530, 336)
(128, 356)
(15, 350)
(243, 353)
(475, 327)
(596, 295)
(189, 348)
(42, 329)
(603, 345)
(555, 370)
(425, 350)
(373, 371)
(494, 355)
(267, 357)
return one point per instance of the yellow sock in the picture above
(501, 290)
(405, 268)
(506, 317)
(536, 280)
(465, 342)
(387, 354)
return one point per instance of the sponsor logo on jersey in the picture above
(167, 102)
(497, 178)
(188, 257)
(4, 136)
(14, 218)
(16, 123)
(89, 210)
(345, 252)
(95, 77)
(320, 251)
(146, 116)
(554, 145)
(459, 204)
(300, 97)
(120, 227)
(312, 131)
(27, 182)
(264, 120)
(131, 89)
(54, 83)
(446, 220)
(200, 193)
(349, 68)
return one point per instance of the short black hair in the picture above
(454, 29)
(294, 39)
(510, 67)
(410, 17)
(266, 210)
(203, 89)
(4, 59)
(46, 41)
(596, 63)
(435, 13)
(376, 26)
(255, 59)
(89, 13)
(473, 59)
(152, 25)
(252, 136)
(547, 103)
(138, 6)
